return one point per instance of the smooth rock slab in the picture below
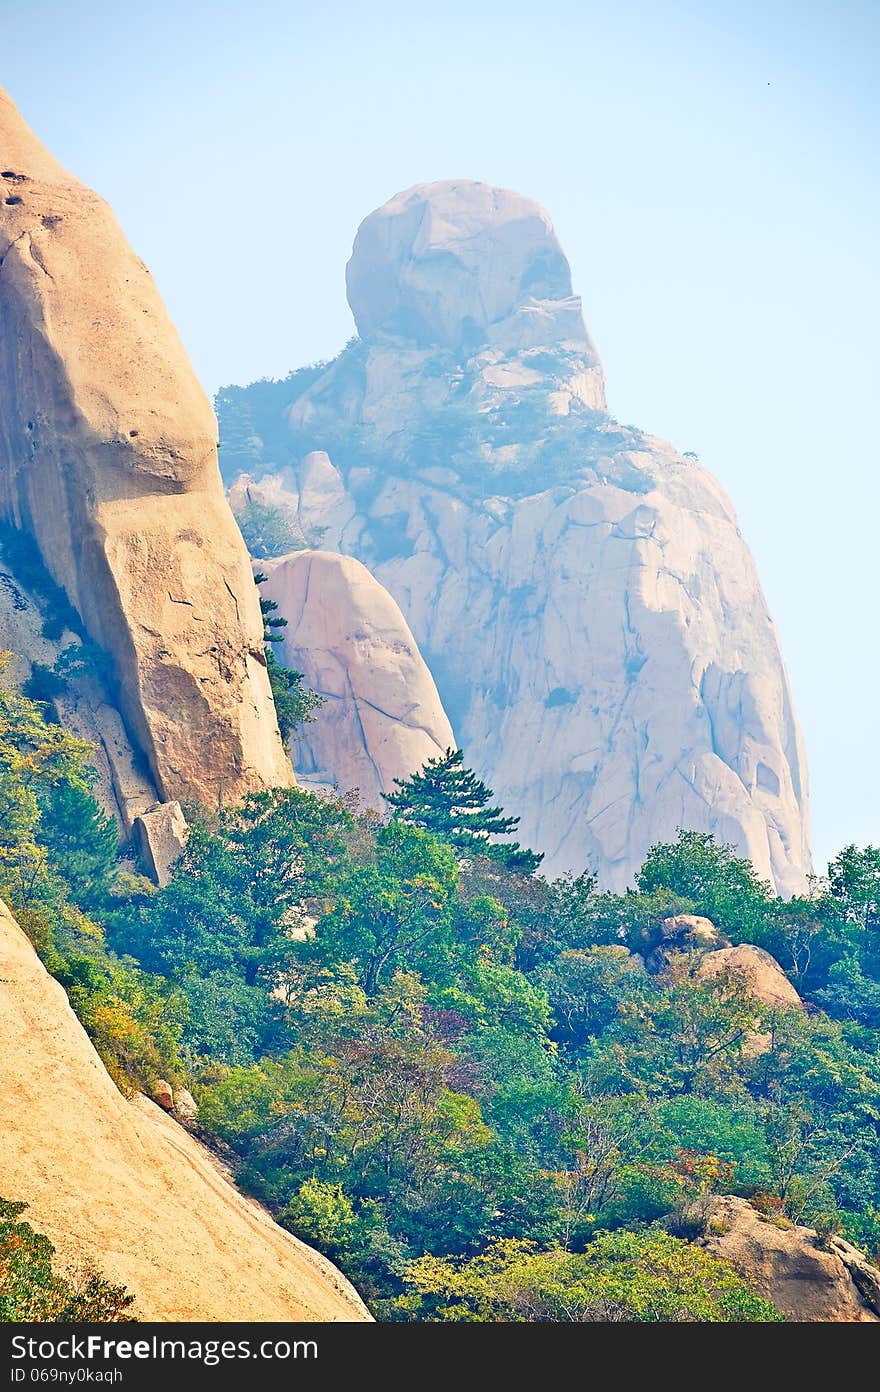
(381, 717)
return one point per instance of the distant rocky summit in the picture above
(580, 591)
(380, 716)
(108, 464)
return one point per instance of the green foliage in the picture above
(295, 703)
(268, 531)
(31, 1290)
(36, 759)
(321, 1214)
(81, 842)
(396, 911)
(720, 885)
(228, 917)
(448, 799)
(452, 1076)
(647, 1276)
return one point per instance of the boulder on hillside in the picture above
(805, 1279)
(163, 1094)
(759, 972)
(381, 717)
(160, 836)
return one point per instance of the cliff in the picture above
(108, 460)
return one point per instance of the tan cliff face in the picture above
(122, 1185)
(108, 459)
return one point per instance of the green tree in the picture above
(230, 915)
(449, 800)
(295, 703)
(81, 840)
(720, 885)
(268, 531)
(37, 758)
(395, 913)
(647, 1277)
(854, 882)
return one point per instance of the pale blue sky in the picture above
(712, 172)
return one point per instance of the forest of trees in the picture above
(484, 1094)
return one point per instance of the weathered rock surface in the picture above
(185, 1107)
(459, 264)
(759, 972)
(160, 836)
(580, 591)
(124, 786)
(787, 1265)
(163, 1094)
(122, 1184)
(382, 717)
(107, 458)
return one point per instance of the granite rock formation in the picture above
(121, 1184)
(108, 460)
(580, 590)
(755, 970)
(806, 1279)
(381, 716)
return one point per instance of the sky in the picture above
(711, 170)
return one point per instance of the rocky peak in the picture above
(458, 264)
(581, 591)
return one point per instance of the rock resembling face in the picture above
(444, 265)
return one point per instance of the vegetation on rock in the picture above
(31, 1289)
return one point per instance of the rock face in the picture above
(84, 706)
(107, 459)
(382, 717)
(123, 1185)
(580, 591)
(761, 974)
(787, 1265)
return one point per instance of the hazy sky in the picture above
(711, 170)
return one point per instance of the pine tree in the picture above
(82, 842)
(450, 800)
(294, 701)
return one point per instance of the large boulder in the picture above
(108, 460)
(804, 1278)
(160, 836)
(580, 590)
(758, 972)
(122, 1185)
(381, 716)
